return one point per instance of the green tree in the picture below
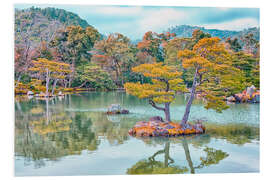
(112, 53)
(73, 44)
(152, 45)
(94, 76)
(234, 44)
(248, 65)
(214, 76)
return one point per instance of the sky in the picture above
(134, 21)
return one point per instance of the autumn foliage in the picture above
(166, 81)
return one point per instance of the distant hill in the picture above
(41, 24)
(186, 31)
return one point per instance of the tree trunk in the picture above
(71, 76)
(117, 82)
(54, 85)
(188, 158)
(18, 81)
(166, 154)
(189, 103)
(47, 111)
(167, 112)
(47, 82)
(166, 109)
(118, 74)
(82, 84)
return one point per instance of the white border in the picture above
(7, 99)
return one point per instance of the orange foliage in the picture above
(163, 129)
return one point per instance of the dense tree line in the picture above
(106, 63)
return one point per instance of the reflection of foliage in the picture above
(154, 167)
(213, 157)
(35, 147)
(236, 134)
(78, 138)
(151, 166)
(42, 127)
(37, 110)
(60, 134)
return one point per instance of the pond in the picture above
(72, 135)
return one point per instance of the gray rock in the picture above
(231, 99)
(156, 118)
(256, 98)
(114, 108)
(30, 93)
(124, 111)
(251, 90)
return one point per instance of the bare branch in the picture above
(152, 103)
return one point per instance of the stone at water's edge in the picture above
(116, 109)
(30, 93)
(251, 95)
(157, 127)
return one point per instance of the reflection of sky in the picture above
(134, 21)
(116, 159)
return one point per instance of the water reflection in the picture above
(46, 133)
(151, 166)
(49, 129)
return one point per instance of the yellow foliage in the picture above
(211, 65)
(58, 69)
(37, 110)
(166, 81)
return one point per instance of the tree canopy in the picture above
(166, 81)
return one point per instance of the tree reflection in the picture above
(151, 166)
(49, 133)
(45, 131)
(213, 156)
(234, 133)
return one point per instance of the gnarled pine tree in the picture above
(214, 76)
(166, 81)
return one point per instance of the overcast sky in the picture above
(134, 21)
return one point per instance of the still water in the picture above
(72, 135)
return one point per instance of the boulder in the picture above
(41, 94)
(60, 93)
(156, 118)
(114, 108)
(250, 90)
(256, 98)
(230, 99)
(238, 97)
(30, 93)
(124, 111)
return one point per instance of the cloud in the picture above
(237, 25)
(134, 21)
(118, 10)
(158, 19)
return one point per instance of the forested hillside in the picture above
(42, 24)
(186, 31)
(57, 50)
